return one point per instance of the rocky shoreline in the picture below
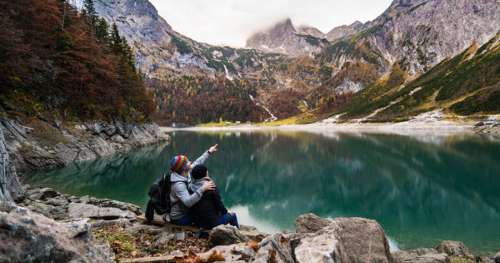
(36, 144)
(49, 226)
(489, 127)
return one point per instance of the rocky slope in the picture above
(284, 38)
(418, 34)
(40, 144)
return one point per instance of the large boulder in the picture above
(225, 235)
(310, 223)
(497, 257)
(345, 240)
(31, 237)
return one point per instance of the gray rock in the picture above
(454, 248)
(276, 248)
(113, 203)
(225, 235)
(252, 233)
(310, 223)
(80, 210)
(54, 212)
(10, 188)
(345, 240)
(57, 201)
(497, 257)
(420, 256)
(78, 228)
(30, 237)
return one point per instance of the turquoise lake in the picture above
(421, 190)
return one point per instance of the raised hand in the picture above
(213, 149)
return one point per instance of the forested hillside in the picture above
(57, 63)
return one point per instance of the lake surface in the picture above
(422, 190)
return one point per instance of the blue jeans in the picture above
(228, 218)
(184, 221)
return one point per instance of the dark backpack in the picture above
(159, 197)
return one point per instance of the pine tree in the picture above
(115, 41)
(90, 11)
(127, 53)
(101, 30)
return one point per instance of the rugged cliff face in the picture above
(418, 34)
(10, 188)
(37, 144)
(285, 39)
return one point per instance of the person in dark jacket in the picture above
(209, 211)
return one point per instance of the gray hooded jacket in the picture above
(180, 198)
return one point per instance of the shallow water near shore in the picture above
(420, 189)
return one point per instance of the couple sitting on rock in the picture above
(194, 197)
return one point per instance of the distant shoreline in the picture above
(401, 128)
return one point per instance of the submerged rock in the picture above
(30, 237)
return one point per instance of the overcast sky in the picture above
(231, 22)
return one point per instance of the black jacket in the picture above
(206, 212)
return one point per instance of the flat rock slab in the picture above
(80, 210)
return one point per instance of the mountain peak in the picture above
(283, 26)
(284, 38)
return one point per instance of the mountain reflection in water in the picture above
(421, 192)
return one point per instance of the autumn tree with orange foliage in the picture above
(52, 64)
